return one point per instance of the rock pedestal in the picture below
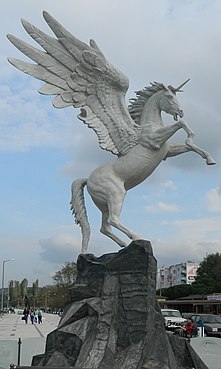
(114, 321)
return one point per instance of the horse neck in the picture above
(151, 114)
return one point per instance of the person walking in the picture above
(40, 314)
(26, 314)
(32, 315)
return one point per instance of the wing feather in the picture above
(70, 42)
(38, 72)
(80, 76)
(51, 45)
(41, 58)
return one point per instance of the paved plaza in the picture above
(33, 338)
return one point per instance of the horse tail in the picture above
(79, 211)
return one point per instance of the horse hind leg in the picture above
(110, 204)
(115, 223)
(115, 206)
(107, 230)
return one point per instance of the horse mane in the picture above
(142, 96)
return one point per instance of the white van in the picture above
(173, 319)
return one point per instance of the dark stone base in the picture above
(114, 321)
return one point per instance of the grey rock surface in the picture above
(114, 321)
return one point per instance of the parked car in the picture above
(187, 315)
(173, 319)
(210, 322)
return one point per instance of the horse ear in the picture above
(173, 89)
(166, 88)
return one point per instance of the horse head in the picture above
(156, 95)
(169, 103)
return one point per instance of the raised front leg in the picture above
(175, 150)
(154, 139)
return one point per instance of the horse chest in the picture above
(137, 168)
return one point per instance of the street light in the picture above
(3, 276)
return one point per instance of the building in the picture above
(183, 273)
(194, 304)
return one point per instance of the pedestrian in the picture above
(39, 316)
(32, 315)
(26, 314)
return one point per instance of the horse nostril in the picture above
(181, 114)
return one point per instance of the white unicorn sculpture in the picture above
(80, 76)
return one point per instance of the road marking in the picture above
(38, 330)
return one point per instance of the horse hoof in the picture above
(210, 161)
(123, 245)
(135, 237)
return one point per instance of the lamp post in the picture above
(3, 276)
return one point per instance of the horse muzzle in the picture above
(180, 113)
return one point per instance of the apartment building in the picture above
(183, 273)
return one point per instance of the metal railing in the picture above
(13, 366)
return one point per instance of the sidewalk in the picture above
(33, 338)
(209, 350)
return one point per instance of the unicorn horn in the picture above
(177, 89)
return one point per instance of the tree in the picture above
(18, 292)
(175, 292)
(23, 289)
(209, 274)
(67, 275)
(13, 293)
(35, 292)
(208, 280)
(64, 278)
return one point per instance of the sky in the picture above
(43, 149)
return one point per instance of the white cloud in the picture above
(199, 229)
(60, 248)
(162, 207)
(175, 251)
(169, 184)
(167, 207)
(28, 121)
(213, 199)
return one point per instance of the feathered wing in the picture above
(80, 76)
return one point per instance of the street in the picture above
(32, 338)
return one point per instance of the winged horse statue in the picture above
(79, 75)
